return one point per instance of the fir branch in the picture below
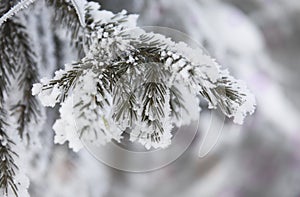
(66, 15)
(7, 66)
(176, 102)
(125, 101)
(79, 6)
(8, 167)
(14, 40)
(7, 69)
(128, 80)
(18, 42)
(220, 90)
(67, 80)
(14, 10)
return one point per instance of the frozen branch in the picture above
(14, 10)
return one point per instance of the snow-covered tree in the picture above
(124, 78)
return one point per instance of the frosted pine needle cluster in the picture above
(128, 81)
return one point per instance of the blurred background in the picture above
(258, 40)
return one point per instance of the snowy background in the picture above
(259, 41)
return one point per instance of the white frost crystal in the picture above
(36, 89)
(65, 128)
(49, 98)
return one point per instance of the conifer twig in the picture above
(14, 10)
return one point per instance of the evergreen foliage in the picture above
(125, 79)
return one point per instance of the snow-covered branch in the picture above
(14, 10)
(125, 78)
